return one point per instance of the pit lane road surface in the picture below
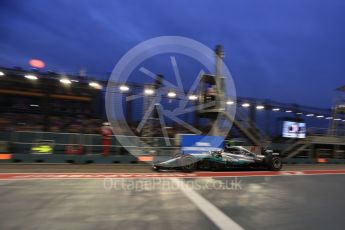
(290, 200)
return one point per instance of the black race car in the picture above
(229, 158)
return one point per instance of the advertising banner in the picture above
(43, 147)
(201, 144)
(294, 129)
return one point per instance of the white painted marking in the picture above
(210, 210)
(291, 173)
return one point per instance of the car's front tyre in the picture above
(188, 163)
(156, 168)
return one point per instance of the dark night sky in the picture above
(288, 50)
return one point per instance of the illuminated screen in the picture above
(293, 129)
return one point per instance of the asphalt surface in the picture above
(261, 202)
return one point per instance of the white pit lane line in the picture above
(211, 211)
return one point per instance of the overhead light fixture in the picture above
(124, 88)
(299, 113)
(65, 81)
(230, 102)
(149, 91)
(310, 115)
(245, 105)
(337, 119)
(260, 107)
(171, 94)
(192, 97)
(31, 77)
(95, 85)
(288, 111)
(2, 73)
(34, 105)
(320, 116)
(275, 109)
(329, 118)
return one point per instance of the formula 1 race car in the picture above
(232, 157)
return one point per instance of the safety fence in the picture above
(87, 148)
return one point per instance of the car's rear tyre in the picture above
(188, 163)
(275, 164)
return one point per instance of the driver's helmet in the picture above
(217, 153)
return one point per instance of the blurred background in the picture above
(286, 59)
